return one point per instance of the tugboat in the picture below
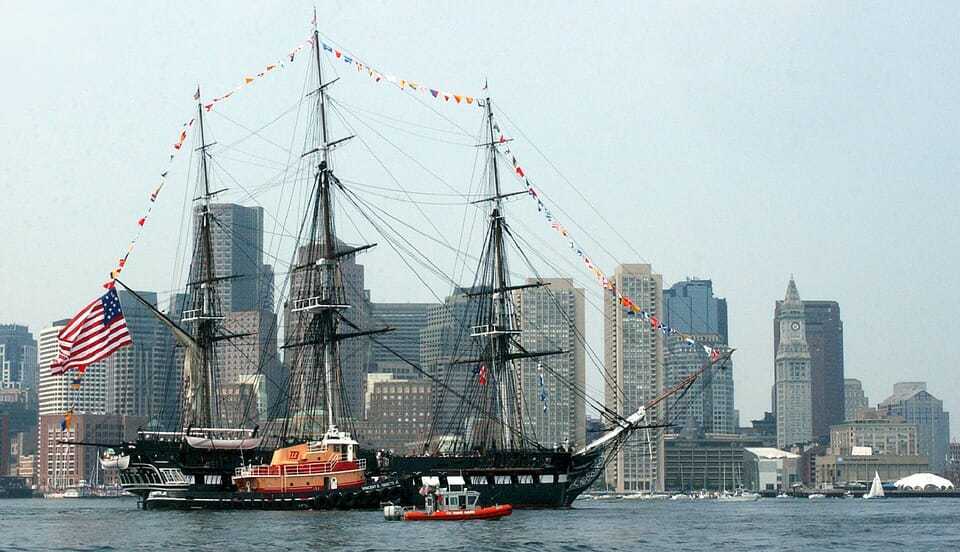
(311, 469)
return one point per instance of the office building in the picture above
(394, 351)
(888, 435)
(56, 392)
(552, 319)
(61, 465)
(823, 330)
(912, 402)
(792, 383)
(633, 361)
(445, 339)
(18, 358)
(835, 470)
(854, 398)
(250, 374)
(141, 378)
(237, 235)
(712, 461)
(708, 406)
(398, 413)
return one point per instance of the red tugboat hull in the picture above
(490, 512)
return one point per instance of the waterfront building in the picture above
(854, 398)
(792, 384)
(837, 469)
(354, 353)
(62, 465)
(769, 469)
(18, 358)
(4, 444)
(711, 461)
(690, 307)
(399, 413)
(888, 435)
(952, 471)
(407, 321)
(912, 402)
(56, 395)
(552, 319)
(633, 360)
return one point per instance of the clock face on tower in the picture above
(795, 326)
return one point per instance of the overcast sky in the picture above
(740, 142)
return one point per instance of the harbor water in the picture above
(627, 525)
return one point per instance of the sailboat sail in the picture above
(876, 489)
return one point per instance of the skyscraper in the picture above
(56, 395)
(552, 318)
(633, 361)
(708, 406)
(248, 365)
(18, 358)
(141, 379)
(824, 334)
(237, 235)
(912, 402)
(407, 321)
(854, 398)
(792, 383)
(445, 339)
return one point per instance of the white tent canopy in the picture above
(923, 481)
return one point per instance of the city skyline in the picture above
(837, 242)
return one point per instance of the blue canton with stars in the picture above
(111, 306)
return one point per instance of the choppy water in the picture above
(768, 524)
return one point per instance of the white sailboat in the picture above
(876, 489)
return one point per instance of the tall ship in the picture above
(311, 452)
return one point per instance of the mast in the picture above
(202, 404)
(329, 266)
(503, 424)
(321, 299)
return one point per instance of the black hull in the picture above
(523, 479)
(367, 497)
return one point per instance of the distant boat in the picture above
(876, 489)
(816, 495)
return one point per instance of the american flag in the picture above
(93, 334)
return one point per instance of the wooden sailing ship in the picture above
(316, 459)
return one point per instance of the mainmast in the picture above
(322, 297)
(202, 406)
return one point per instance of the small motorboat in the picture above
(448, 505)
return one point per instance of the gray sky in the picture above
(741, 142)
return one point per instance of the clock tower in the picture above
(792, 385)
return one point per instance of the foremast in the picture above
(201, 401)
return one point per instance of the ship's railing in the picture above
(288, 470)
(206, 432)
